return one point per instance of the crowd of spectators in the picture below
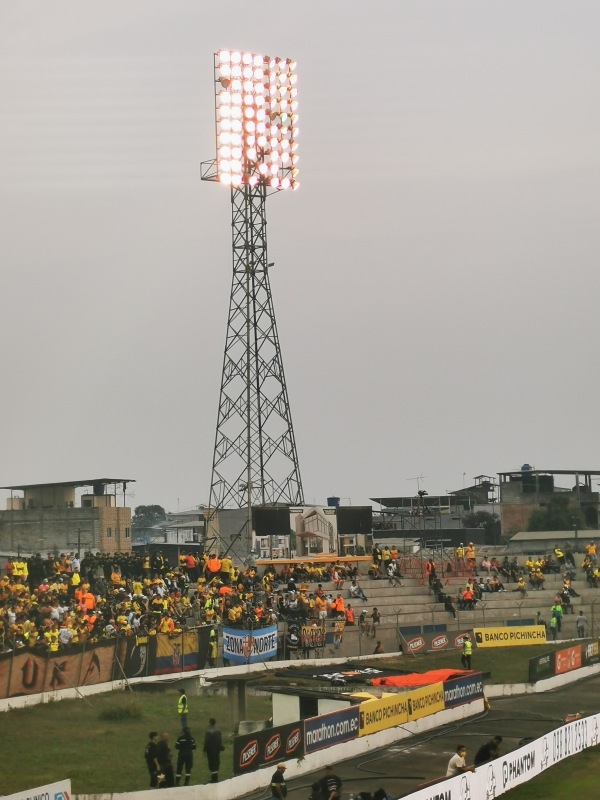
(57, 602)
(492, 575)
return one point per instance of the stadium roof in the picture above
(73, 484)
(551, 472)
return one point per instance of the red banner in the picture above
(567, 660)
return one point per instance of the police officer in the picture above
(213, 747)
(185, 746)
(151, 756)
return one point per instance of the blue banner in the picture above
(463, 690)
(249, 647)
(328, 729)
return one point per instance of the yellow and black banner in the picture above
(377, 715)
(425, 701)
(510, 636)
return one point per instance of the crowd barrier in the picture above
(493, 779)
(255, 750)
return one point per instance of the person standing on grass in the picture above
(213, 746)
(151, 756)
(182, 709)
(185, 746)
(165, 765)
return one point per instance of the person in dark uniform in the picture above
(151, 756)
(164, 761)
(488, 751)
(278, 787)
(185, 746)
(213, 746)
(331, 785)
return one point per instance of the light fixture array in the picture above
(257, 120)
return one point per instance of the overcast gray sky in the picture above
(437, 274)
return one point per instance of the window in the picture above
(109, 533)
(128, 533)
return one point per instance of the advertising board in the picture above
(493, 779)
(567, 660)
(510, 636)
(463, 690)
(425, 642)
(387, 712)
(51, 791)
(425, 701)
(541, 667)
(328, 729)
(591, 653)
(269, 746)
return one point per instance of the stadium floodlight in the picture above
(255, 462)
(256, 120)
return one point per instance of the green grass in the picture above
(577, 776)
(73, 739)
(98, 742)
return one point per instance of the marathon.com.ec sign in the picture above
(510, 636)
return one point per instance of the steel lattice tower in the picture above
(255, 461)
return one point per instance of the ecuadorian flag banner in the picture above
(176, 653)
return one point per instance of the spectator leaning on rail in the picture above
(457, 763)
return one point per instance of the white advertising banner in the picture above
(52, 791)
(493, 779)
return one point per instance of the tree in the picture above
(483, 519)
(559, 515)
(147, 517)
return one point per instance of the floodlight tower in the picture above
(255, 460)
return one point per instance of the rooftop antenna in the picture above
(418, 479)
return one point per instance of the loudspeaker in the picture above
(271, 521)
(354, 519)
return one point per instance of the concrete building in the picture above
(46, 517)
(526, 490)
